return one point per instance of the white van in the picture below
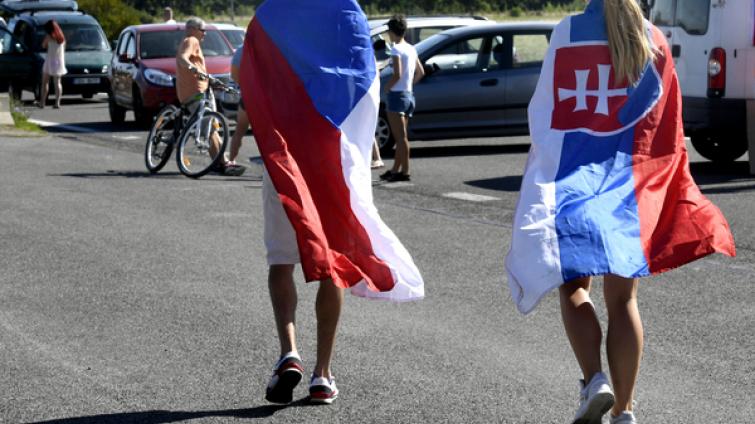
(713, 44)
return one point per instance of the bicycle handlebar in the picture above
(214, 82)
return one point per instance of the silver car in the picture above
(478, 83)
(418, 28)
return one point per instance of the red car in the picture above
(143, 70)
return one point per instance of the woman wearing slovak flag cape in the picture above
(607, 191)
(311, 88)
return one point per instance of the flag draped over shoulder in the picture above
(311, 90)
(607, 187)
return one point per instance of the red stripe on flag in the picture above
(678, 224)
(302, 154)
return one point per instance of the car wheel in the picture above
(117, 113)
(141, 115)
(383, 135)
(720, 148)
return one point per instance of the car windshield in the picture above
(79, 38)
(158, 44)
(234, 36)
(429, 42)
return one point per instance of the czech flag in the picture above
(607, 187)
(311, 90)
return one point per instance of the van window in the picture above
(689, 15)
(79, 37)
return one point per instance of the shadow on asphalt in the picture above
(145, 174)
(422, 151)
(704, 173)
(508, 183)
(159, 417)
(97, 127)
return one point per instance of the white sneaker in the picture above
(595, 399)
(322, 390)
(626, 417)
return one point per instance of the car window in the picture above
(235, 37)
(459, 56)
(165, 44)
(500, 54)
(692, 17)
(122, 43)
(131, 47)
(6, 41)
(382, 54)
(79, 37)
(528, 50)
(427, 32)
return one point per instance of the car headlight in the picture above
(159, 77)
(104, 69)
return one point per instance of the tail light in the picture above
(717, 73)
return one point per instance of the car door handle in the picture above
(489, 82)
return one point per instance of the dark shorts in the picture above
(401, 102)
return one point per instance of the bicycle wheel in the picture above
(202, 144)
(160, 139)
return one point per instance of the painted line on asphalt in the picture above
(470, 197)
(73, 128)
(398, 184)
(126, 137)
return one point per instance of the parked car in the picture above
(87, 52)
(418, 29)
(234, 34)
(143, 70)
(713, 45)
(479, 81)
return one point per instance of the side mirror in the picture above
(125, 58)
(379, 45)
(113, 44)
(19, 48)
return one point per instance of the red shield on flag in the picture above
(586, 95)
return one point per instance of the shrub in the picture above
(113, 15)
(516, 12)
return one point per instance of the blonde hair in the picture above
(627, 39)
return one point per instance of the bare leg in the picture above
(328, 310)
(398, 129)
(242, 125)
(284, 299)
(624, 339)
(58, 90)
(582, 326)
(405, 142)
(376, 159)
(44, 90)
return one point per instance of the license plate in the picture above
(82, 81)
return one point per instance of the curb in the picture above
(5, 117)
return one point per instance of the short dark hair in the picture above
(397, 25)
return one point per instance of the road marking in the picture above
(471, 197)
(398, 184)
(74, 128)
(126, 137)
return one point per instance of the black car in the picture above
(87, 51)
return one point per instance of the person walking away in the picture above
(315, 140)
(242, 121)
(607, 191)
(55, 62)
(407, 71)
(168, 15)
(190, 87)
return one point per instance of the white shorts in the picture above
(280, 238)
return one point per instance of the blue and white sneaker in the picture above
(287, 373)
(595, 399)
(322, 390)
(626, 417)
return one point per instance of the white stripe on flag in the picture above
(357, 137)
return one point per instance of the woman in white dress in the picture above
(55, 63)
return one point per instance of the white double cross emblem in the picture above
(602, 93)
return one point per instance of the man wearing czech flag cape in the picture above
(311, 88)
(607, 191)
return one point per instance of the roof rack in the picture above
(30, 6)
(475, 17)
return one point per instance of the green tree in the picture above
(113, 15)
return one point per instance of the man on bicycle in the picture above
(190, 87)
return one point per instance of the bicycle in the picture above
(201, 136)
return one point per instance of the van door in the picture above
(16, 62)
(693, 29)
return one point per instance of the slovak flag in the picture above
(311, 90)
(607, 187)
